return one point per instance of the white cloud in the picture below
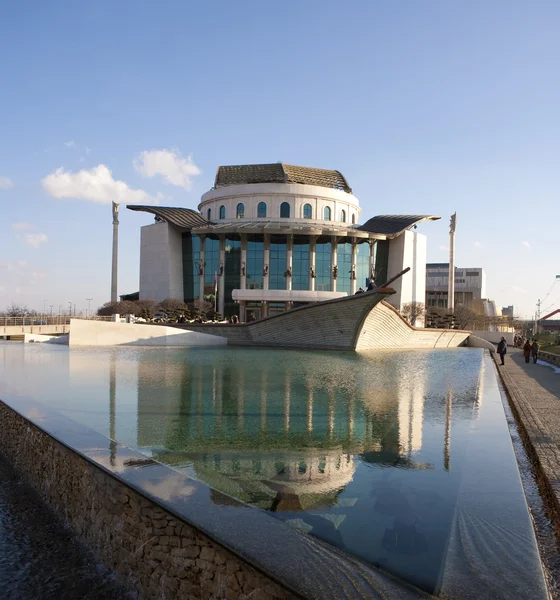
(95, 185)
(517, 289)
(526, 244)
(36, 239)
(70, 144)
(477, 244)
(6, 183)
(22, 226)
(87, 150)
(444, 248)
(169, 164)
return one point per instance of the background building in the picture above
(470, 285)
(273, 236)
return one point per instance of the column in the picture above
(243, 266)
(242, 311)
(334, 261)
(222, 276)
(354, 266)
(372, 259)
(289, 259)
(203, 268)
(312, 270)
(266, 263)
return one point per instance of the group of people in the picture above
(530, 349)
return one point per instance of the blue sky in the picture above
(426, 107)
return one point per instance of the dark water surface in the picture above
(402, 459)
(39, 558)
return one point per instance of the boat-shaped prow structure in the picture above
(363, 321)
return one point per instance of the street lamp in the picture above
(70, 309)
(88, 300)
(51, 308)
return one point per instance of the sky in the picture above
(426, 108)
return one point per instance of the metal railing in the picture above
(38, 320)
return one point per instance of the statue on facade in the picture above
(221, 269)
(288, 272)
(312, 272)
(243, 269)
(265, 270)
(200, 268)
(353, 272)
(335, 272)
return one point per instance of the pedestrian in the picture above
(527, 351)
(535, 351)
(502, 349)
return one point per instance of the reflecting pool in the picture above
(402, 459)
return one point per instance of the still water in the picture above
(402, 459)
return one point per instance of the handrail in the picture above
(44, 320)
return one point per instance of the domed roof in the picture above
(280, 173)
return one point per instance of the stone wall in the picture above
(150, 549)
(553, 359)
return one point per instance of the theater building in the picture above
(271, 237)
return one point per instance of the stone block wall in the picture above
(151, 550)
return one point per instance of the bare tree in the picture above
(412, 311)
(203, 307)
(119, 308)
(17, 310)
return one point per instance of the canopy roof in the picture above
(280, 173)
(185, 218)
(392, 225)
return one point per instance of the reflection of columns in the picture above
(200, 399)
(219, 400)
(266, 261)
(289, 259)
(243, 266)
(411, 415)
(309, 409)
(201, 276)
(353, 273)
(112, 409)
(350, 417)
(334, 261)
(115, 262)
(264, 399)
(287, 384)
(222, 277)
(242, 311)
(447, 440)
(241, 401)
(331, 414)
(312, 249)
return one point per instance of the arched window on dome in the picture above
(353, 219)
(343, 216)
(327, 213)
(307, 211)
(222, 212)
(284, 210)
(209, 214)
(240, 211)
(261, 210)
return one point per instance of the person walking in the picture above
(502, 349)
(535, 351)
(527, 351)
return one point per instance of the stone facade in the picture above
(151, 550)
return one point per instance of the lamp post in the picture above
(70, 309)
(115, 260)
(51, 308)
(88, 300)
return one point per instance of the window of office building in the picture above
(327, 213)
(343, 216)
(323, 265)
(209, 214)
(191, 260)
(300, 265)
(212, 260)
(222, 212)
(362, 265)
(261, 210)
(344, 262)
(284, 210)
(232, 274)
(277, 266)
(307, 211)
(240, 211)
(255, 262)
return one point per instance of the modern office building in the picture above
(470, 285)
(270, 237)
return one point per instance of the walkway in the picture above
(535, 393)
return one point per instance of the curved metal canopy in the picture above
(184, 218)
(394, 224)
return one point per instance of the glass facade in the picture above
(277, 267)
(212, 260)
(284, 210)
(362, 265)
(191, 260)
(222, 212)
(323, 265)
(327, 213)
(300, 266)
(240, 211)
(344, 262)
(307, 211)
(381, 261)
(255, 262)
(232, 274)
(261, 210)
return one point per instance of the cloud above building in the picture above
(6, 183)
(94, 185)
(35, 240)
(169, 164)
(22, 226)
(526, 244)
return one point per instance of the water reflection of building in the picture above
(280, 438)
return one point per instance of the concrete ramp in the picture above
(473, 341)
(99, 333)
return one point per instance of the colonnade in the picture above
(312, 240)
